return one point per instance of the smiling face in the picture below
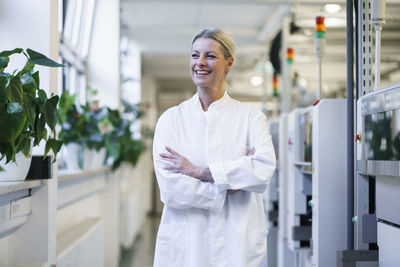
(208, 65)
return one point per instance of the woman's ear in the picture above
(229, 64)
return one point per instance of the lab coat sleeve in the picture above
(249, 173)
(178, 190)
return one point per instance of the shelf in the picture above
(76, 174)
(10, 187)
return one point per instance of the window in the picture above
(75, 32)
(131, 76)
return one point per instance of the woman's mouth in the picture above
(202, 72)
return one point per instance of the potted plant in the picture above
(81, 133)
(121, 145)
(93, 131)
(25, 111)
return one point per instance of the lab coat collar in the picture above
(216, 105)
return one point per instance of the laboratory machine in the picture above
(378, 158)
(317, 160)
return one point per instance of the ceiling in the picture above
(164, 30)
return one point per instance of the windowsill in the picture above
(64, 175)
(10, 187)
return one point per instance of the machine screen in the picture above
(382, 135)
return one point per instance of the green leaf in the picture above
(35, 76)
(54, 145)
(66, 102)
(50, 112)
(40, 59)
(14, 108)
(3, 91)
(3, 62)
(30, 109)
(7, 151)
(12, 123)
(24, 144)
(113, 148)
(7, 53)
(27, 68)
(15, 90)
(40, 129)
(42, 95)
(3, 149)
(28, 84)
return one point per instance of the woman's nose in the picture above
(202, 60)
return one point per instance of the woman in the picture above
(213, 158)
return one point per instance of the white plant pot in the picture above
(71, 154)
(15, 171)
(93, 160)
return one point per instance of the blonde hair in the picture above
(222, 37)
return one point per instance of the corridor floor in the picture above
(141, 254)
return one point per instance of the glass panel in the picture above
(86, 28)
(382, 135)
(69, 19)
(82, 88)
(77, 23)
(78, 18)
(305, 137)
(72, 81)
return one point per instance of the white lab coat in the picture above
(202, 225)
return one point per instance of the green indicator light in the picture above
(320, 35)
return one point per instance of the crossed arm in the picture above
(182, 165)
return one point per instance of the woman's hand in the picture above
(183, 165)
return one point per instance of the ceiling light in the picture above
(332, 8)
(303, 82)
(256, 80)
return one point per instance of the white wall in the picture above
(103, 60)
(149, 95)
(32, 24)
(21, 27)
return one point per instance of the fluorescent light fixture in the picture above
(256, 80)
(332, 8)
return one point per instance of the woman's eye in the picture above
(211, 56)
(195, 55)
